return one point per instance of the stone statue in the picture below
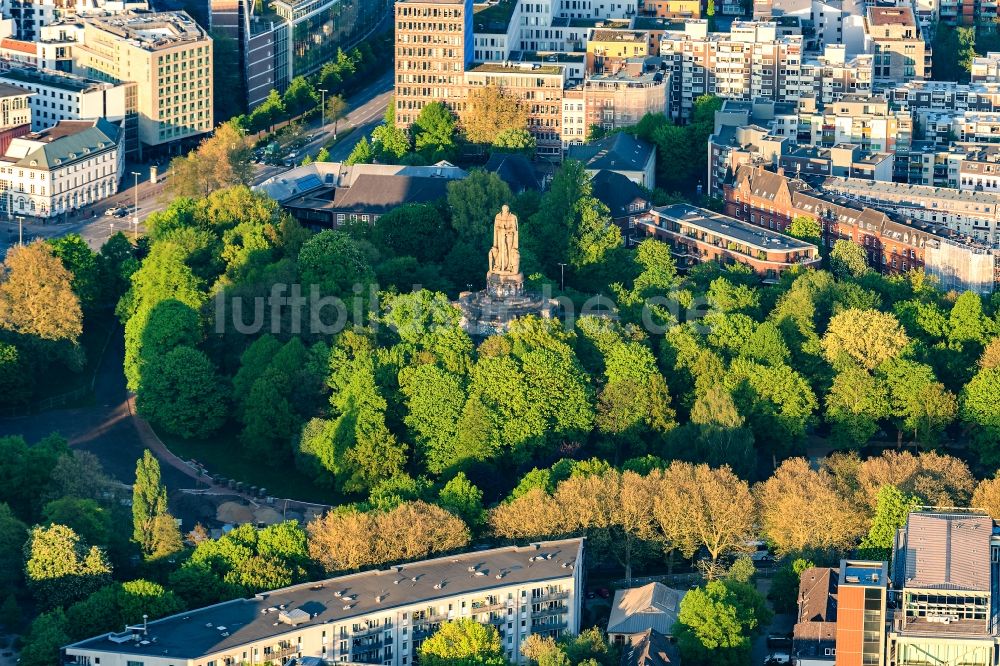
(505, 259)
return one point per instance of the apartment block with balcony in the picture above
(373, 617)
(697, 235)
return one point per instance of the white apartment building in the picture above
(59, 96)
(986, 69)
(374, 617)
(73, 164)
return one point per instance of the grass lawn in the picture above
(224, 455)
(58, 381)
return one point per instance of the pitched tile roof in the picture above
(68, 141)
(816, 628)
(616, 192)
(650, 648)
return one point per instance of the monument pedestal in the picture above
(490, 311)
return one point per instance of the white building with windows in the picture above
(61, 96)
(72, 164)
(372, 617)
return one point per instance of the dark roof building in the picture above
(622, 153)
(639, 609)
(626, 200)
(514, 169)
(815, 634)
(650, 648)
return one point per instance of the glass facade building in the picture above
(320, 27)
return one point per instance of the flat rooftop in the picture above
(50, 79)
(863, 572)
(522, 68)
(547, 57)
(231, 624)
(730, 227)
(493, 17)
(152, 31)
(891, 16)
(604, 35)
(7, 90)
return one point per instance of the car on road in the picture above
(778, 659)
(121, 212)
(114, 210)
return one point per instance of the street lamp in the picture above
(135, 211)
(322, 108)
(20, 230)
(111, 226)
(562, 277)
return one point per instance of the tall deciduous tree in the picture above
(463, 642)
(153, 528)
(220, 161)
(183, 394)
(489, 111)
(36, 295)
(434, 132)
(868, 337)
(61, 568)
(891, 511)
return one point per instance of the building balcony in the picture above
(545, 612)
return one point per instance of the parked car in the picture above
(113, 210)
(779, 642)
(778, 659)
(121, 212)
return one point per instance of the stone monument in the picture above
(504, 299)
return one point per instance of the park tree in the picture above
(891, 511)
(44, 639)
(473, 202)
(119, 605)
(784, 592)
(463, 642)
(165, 326)
(183, 394)
(868, 337)
(61, 568)
(920, 403)
(300, 96)
(90, 520)
(980, 412)
(13, 534)
(153, 528)
(986, 496)
(36, 295)
(336, 109)
(83, 264)
(418, 230)
(716, 623)
(967, 323)
(220, 161)
(800, 509)
(332, 262)
(937, 479)
(855, 404)
(462, 498)
(532, 514)
(488, 112)
(990, 358)
(24, 465)
(434, 132)
(848, 260)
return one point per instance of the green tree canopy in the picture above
(463, 642)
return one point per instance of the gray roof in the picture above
(231, 624)
(619, 152)
(729, 227)
(616, 192)
(514, 169)
(47, 78)
(946, 551)
(70, 140)
(653, 606)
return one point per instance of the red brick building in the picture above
(772, 200)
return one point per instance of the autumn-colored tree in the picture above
(489, 110)
(534, 514)
(36, 295)
(986, 496)
(219, 161)
(868, 337)
(800, 509)
(938, 479)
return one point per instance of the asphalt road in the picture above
(364, 111)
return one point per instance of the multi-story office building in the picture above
(900, 52)
(73, 164)
(29, 17)
(434, 47)
(375, 617)
(697, 235)
(892, 245)
(168, 56)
